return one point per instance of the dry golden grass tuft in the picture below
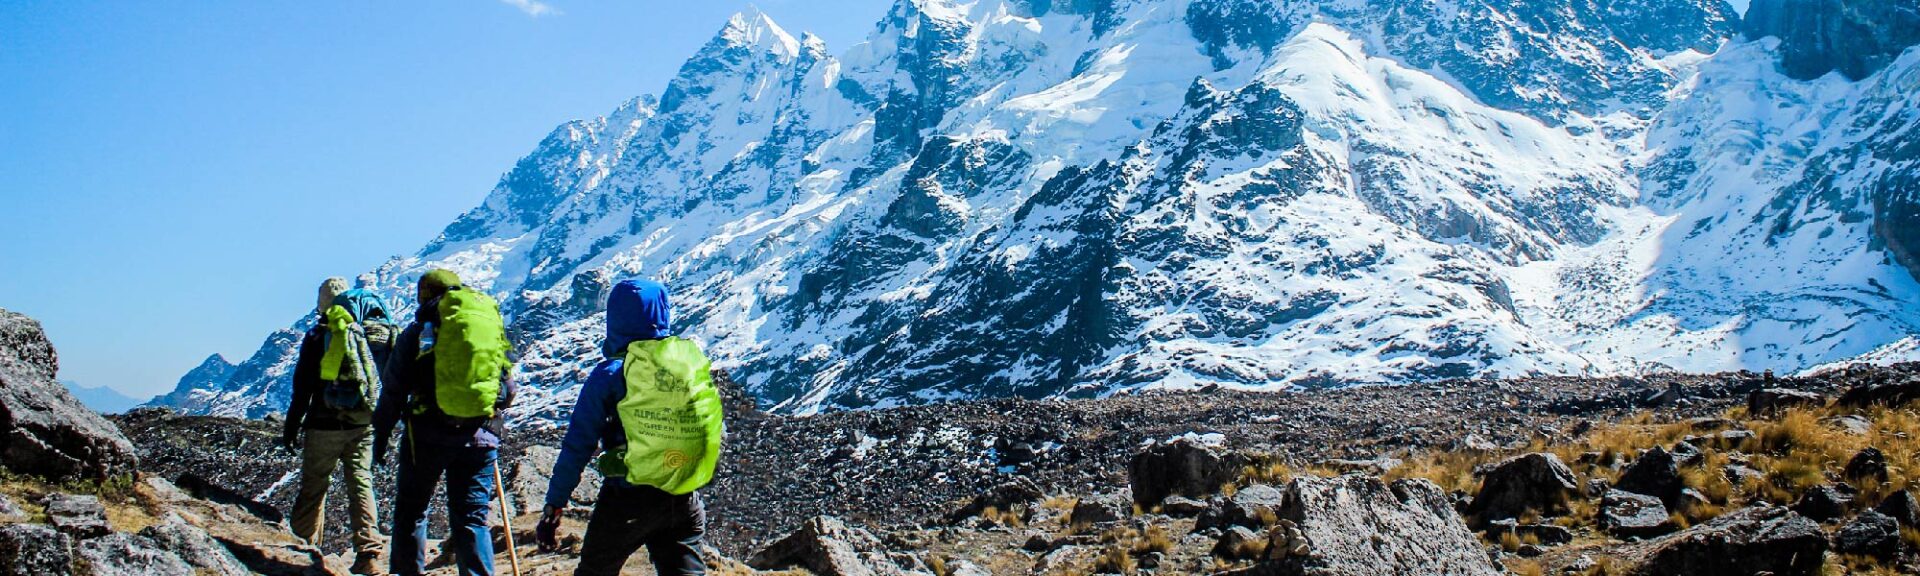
(1115, 559)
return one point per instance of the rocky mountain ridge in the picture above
(1065, 199)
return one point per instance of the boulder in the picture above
(44, 430)
(1740, 474)
(195, 546)
(526, 480)
(1630, 515)
(827, 547)
(1893, 393)
(1767, 401)
(1240, 543)
(1016, 495)
(1101, 509)
(1246, 507)
(1823, 503)
(1903, 507)
(1182, 507)
(280, 559)
(1869, 534)
(1685, 454)
(129, 555)
(1358, 524)
(1851, 424)
(1870, 464)
(1656, 473)
(10, 512)
(1545, 534)
(1537, 483)
(34, 550)
(81, 517)
(1756, 540)
(1184, 467)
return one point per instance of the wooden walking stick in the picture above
(506, 518)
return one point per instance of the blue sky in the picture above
(176, 178)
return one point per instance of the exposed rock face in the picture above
(193, 545)
(1744, 542)
(1856, 37)
(81, 517)
(1244, 508)
(1356, 525)
(1537, 482)
(34, 550)
(129, 555)
(44, 430)
(1182, 467)
(828, 547)
(1870, 464)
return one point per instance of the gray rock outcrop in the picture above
(1856, 37)
(1537, 483)
(1182, 467)
(81, 517)
(44, 430)
(129, 555)
(34, 550)
(1744, 542)
(1357, 524)
(828, 547)
(196, 547)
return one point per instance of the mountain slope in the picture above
(1028, 198)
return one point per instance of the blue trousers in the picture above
(469, 474)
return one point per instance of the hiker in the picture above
(651, 407)
(449, 381)
(335, 379)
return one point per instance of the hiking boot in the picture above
(366, 563)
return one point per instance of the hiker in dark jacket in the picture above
(465, 451)
(336, 428)
(625, 516)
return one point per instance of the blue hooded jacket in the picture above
(637, 310)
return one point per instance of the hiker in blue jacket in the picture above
(626, 516)
(464, 451)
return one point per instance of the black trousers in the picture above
(628, 517)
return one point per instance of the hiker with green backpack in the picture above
(335, 379)
(449, 380)
(651, 411)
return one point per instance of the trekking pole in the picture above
(506, 518)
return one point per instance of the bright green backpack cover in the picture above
(672, 416)
(469, 354)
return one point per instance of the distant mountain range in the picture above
(1081, 197)
(102, 399)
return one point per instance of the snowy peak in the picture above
(1043, 198)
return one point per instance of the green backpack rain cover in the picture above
(469, 354)
(672, 416)
(348, 368)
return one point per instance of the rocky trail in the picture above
(1666, 474)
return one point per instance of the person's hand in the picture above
(547, 533)
(290, 441)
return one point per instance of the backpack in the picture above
(469, 347)
(378, 325)
(347, 367)
(671, 415)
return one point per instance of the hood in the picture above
(637, 310)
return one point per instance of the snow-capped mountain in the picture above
(1036, 198)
